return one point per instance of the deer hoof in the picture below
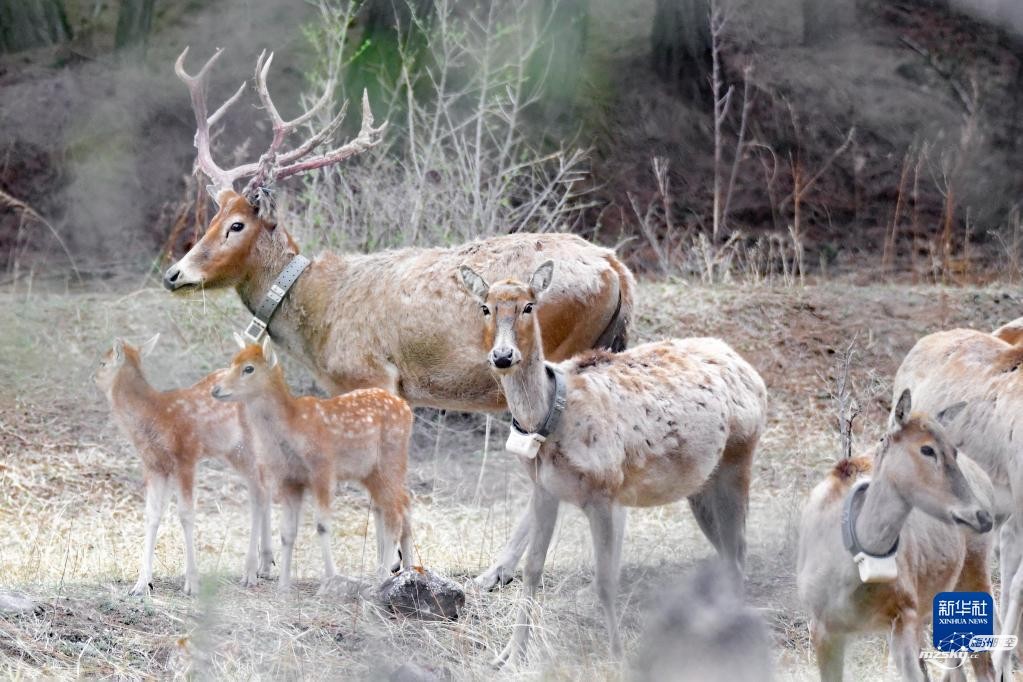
(141, 589)
(493, 578)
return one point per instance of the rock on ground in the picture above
(422, 593)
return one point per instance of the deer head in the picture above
(242, 231)
(511, 328)
(120, 356)
(253, 371)
(919, 460)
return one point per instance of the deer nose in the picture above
(171, 277)
(501, 358)
(984, 521)
(216, 391)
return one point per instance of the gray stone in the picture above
(422, 593)
(12, 603)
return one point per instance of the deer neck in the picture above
(271, 257)
(881, 517)
(528, 391)
(131, 391)
(271, 409)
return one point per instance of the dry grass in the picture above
(71, 499)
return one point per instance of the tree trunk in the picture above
(25, 24)
(133, 23)
(681, 47)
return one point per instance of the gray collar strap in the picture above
(850, 512)
(278, 290)
(557, 407)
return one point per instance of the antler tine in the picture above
(367, 138)
(316, 140)
(222, 179)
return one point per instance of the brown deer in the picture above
(983, 369)
(389, 320)
(645, 427)
(916, 504)
(171, 432)
(309, 443)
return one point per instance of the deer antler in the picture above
(273, 164)
(222, 179)
(276, 165)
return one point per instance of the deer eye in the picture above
(528, 308)
(927, 451)
(248, 369)
(236, 227)
(486, 310)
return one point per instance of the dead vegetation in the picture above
(71, 498)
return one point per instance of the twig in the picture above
(29, 212)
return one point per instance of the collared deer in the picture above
(926, 504)
(982, 369)
(309, 443)
(389, 320)
(172, 431)
(648, 426)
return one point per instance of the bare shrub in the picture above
(458, 162)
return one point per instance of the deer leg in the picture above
(323, 482)
(1012, 591)
(830, 650)
(157, 488)
(906, 639)
(251, 573)
(975, 576)
(607, 526)
(266, 551)
(543, 517)
(502, 571)
(406, 540)
(186, 514)
(720, 506)
(289, 531)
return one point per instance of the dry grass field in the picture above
(71, 501)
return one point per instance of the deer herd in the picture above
(537, 324)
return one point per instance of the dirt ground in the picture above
(71, 497)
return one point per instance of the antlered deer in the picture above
(172, 431)
(307, 443)
(647, 426)
(982, 369)
(389, 320)
(913, 496)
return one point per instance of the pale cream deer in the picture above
(308, 444)
(644, 427)
(172, 431)
(924, 496)
(389, 320)
(982, 369)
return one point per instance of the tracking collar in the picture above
(522, 442)
(874, 568)
(278, 290)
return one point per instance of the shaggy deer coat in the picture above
(982, 369)
(308, 444)
(393, 320)
(171, 432)
(648, 426)
(934, 504)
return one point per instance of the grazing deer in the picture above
(172, 431)
(309, 443)
(645, 427)
(887, 531)
(982, 369)
(388, 320)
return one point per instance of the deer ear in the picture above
(118, 350)
(474, 284)
(149, 345)
(240, 340)
(902, 409)
(948, 415)
(268, 354)
(541, 279)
